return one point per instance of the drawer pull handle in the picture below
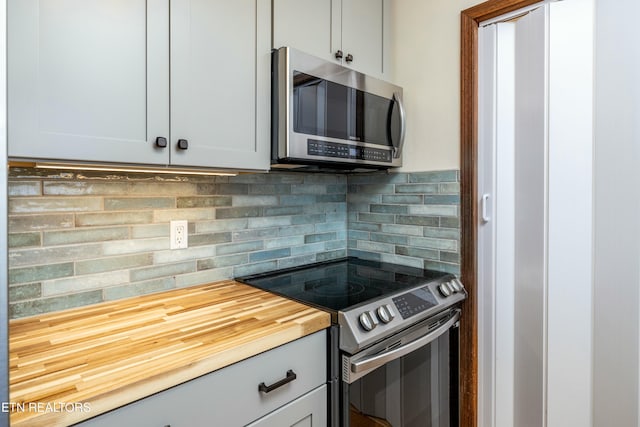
(269, 388)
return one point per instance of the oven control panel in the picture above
(415, 302)
(367, 323)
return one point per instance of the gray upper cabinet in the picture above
(220, 86)
(100, 81)
(354, 33)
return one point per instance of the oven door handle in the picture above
(380, 359)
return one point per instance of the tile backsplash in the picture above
(77, 238)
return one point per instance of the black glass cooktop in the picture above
(341, 284)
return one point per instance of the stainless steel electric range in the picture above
(394, 340)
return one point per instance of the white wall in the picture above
(617, 213)
(426, 63)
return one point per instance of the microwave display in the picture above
(325, 108)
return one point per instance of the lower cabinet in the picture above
(281, 387)
(309, 410)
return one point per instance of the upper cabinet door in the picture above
(88, 80)
(354, 33)
(312, 26)
(363, 24)
(220, 86)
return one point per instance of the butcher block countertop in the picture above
(81, 362)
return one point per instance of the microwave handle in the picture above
(380, 359)
(397, 146)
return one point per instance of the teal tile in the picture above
(261, 267)
(450, 187)
(100, 265)
(417, 188)
(54, 204)
(392, 209)
(363, 198)
(296, 261)
(24, 188)
(114, 218)
(40, 222)
(329, 255)
(311, 248)
(255, 234)
(319, 237)
(25, 292)
(450, 222)
(448, 199)
(428, 221)
(209, 239)
(162, 188)
(364, 226)
(84, 188)
(323, 179)
(403, 199)
(417, 252)
(136, 203)
(376, 217)
(358, 235)
(46, 305)
(437, 176)
(140, 288)
(78, 284)
(373, 256)
(376, 177)
(53, 255)
(269, 254)
(203, 201)
(277, 221)
(308, 219)
(434, 210)
(284, 242)
(276, 189)
(231, 189)
(145, 231)
(389, 238)
(204, 276)
(254, 200)
(332, 198)
(67, 237)
(309, 189)
(223, 261)
(442, 233)
(330, 226)
(368, 246)
(297, 200)
(22, 240)
(452, 257)
(220, 225)
(427, 242)
(402, 260)
(296, 230)
(337, 189)
(442, 266)
(408, 230)
(340, 243)
(282, 210)
(233, 248)
(243, 212)
(377, 189)
(40, 272)
(159, 271)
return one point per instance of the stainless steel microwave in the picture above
(329, 116)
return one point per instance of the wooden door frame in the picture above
(470, 20)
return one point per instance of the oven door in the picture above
(407, 380)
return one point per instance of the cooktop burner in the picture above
(342, 284)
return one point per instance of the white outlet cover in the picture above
(179, 234)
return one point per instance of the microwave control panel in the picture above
(346, 151)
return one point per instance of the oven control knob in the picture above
(367, 321)
(444, 289)
(385, 313)
(457, 286)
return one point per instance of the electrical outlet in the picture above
(179, 234)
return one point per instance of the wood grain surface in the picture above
(110, 354)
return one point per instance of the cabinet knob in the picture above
(339, 54)
(183, 144)
(161, 142)
(349, 57)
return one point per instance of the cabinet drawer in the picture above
(230, 396)
(309, 410)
